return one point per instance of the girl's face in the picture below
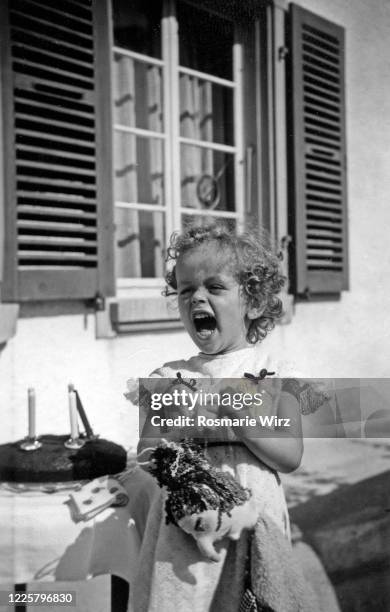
(211, 303)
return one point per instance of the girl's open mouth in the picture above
(205, 324)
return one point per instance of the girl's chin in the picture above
(209, 344)
(214, 346)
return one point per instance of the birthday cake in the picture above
(53, 462)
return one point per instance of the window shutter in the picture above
(318, 213)
(57, 133)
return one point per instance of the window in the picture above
(178, 127)
(124, 119)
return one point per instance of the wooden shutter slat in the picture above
(55, 98)
(324, 233)
(52, 26)
(329, 187)
(41, 151)
(315, 205)
(320, 103)
(327, 166)
(39, 112)
(323, 63)
(323, 40)
(69, 91)
(46, 42)
(72, 113)
(69, 169)
(61, 190)
(314, 264)
(333, 117)
(31, 134)
(41, 56)
(326, 77)
(46, 212)
(53, 74)
(54, 244)
(317, 127)
(314, 137)
(76, 5)
(59, 197)
(61, 14)
(25, 257)
(58, 227)
(327, 55)
(323, 85)
(330, 128)
(34, 122)
(84, 69)
(322, 214)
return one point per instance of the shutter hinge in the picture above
(283, 51)
(99, 302)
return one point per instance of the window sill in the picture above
(123, 315)
(146, 313)
(8, 319)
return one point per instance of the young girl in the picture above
(227, 288)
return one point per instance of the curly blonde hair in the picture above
(254, 264)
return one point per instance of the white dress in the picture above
(172, 573)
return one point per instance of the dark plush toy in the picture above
(204, 502)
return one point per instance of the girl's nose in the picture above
(198, 296)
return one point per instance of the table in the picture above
(41, 542)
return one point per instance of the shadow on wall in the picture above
(349, 529)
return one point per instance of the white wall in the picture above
(347, 338)
(353, 337)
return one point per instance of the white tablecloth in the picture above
(39, 540)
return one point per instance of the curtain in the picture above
(138, 168)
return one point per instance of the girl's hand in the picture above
(277, 440)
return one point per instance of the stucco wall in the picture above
(345, 338)
(352, 337)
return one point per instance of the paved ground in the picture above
(339, 503)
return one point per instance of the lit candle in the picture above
(31, 413)
(74, 430)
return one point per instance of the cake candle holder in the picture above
(30, 443)
(74, 441)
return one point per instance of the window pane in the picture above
(139, 243)
(137, 93)
(137, 26)
(206, 220)
(206, 41)
(206, 110)
(139, 169)
(207, 178)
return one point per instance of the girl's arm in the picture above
(280, 448)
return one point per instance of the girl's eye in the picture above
(184, 292)
(216, 288)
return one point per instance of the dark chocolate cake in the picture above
(53, 462)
